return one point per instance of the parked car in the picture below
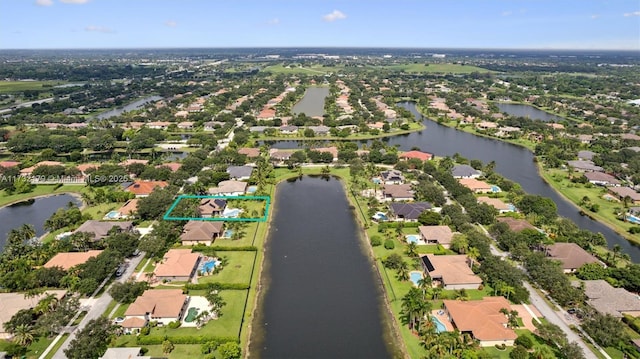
(121, 269)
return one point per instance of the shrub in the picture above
(525, 341)
(519, 352)
(634, 230)
(389, 244)
(501, 347)
(182, 339)
(174, 325)
(376, 241)
(145, 331)
(221, 286)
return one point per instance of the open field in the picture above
(435, 68)
(300, 70)
(18, 86)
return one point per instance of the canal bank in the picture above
(321, 296)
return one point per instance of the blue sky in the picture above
(528, 24)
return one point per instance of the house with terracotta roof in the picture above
(131, 161)
(127, 210)
(9, 164)
(100, 229)
(12, 303)
(482, 319)
(84, 167)
(66, 260)
(249, 152)
(441, 235)
(173, 166)
(516, 225)
(162, 305)
(475, 185)
(451, 272)
(277, 155)
(571, 256)
(229, 188)
(144, 188)
(178, 265)
(497, 204)
(201, 232)
(333, 150)
(186, 125)
(422, 156)
(211, 207)
(397, 192)
(29, 170)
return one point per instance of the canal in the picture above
(34, 212)
(519, 110)
(312, 103)
(322, 296)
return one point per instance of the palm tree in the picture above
(216, 302)
(424, 284)
(412, 250)
(461, 294)
(435, 292)
(616, 251)
(473, 254)
(47, 304)
(23, 335)
(403, 271)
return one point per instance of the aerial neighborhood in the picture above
(159, 241)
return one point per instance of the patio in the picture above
(199, 303)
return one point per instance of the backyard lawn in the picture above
(237, 270)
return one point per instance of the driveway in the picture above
(97, 309)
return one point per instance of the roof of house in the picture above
(333, 150)
(11, 303)
(422, 156)
(209, 205)
(601, 177)
(130, 207)
(481, 317)
(410, 210)
(585, 165)
(132, 161)
(464, 171)
(392, 175)
(398, 190)
(66, 260)
(100, 229)
(625, 191)
(442, 234)
(173, 166)
(124, 353)
(83, 167)
(177, 263)
(230, 186)
(571, 255)
(516, 225)
(452, 269)
(474, 184)
(159, 303)
(239, 171)
(7, 164)
(495, 202)
(586, 155)
(140, 188)
(200, 230)
(133, 322)
(609, 300)
(249, 152)
(279, 154)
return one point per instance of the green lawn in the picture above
(18, 86)
(40, 190)
(301, 70)
(98, 211)
(238, 270)
(179, 352)
(435, 68)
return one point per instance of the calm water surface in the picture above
(130, 107)
(312, 103)
(516, 109)
(323, 298)
(36, 214)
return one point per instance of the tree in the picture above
(167, 347)
(429, 218)
(216, 302)
(154, 205)
(91, 342)
(23, 335)
(403, 271)
(127, 292)
(230, 350)
(519, 352)
(606, 330)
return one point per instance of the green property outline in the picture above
(267, 200)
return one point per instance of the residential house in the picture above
(131, 161)
(161, 305)
(408, 211)
(12, 303)
(100, 229)
(201, 232)
(602, 179)
(288, 130)
(173, 166)
(571, 256)
(144, 188)
(319, 130)
(229, 188)
(240, 173)
(332, 150)
(584, 166)
(497, 204)
(127, 210)
(452, 271)
(124, 353)
(212, 125)
(465, 171)
(178, 265)
(67, 260)
(441, 235)
(397, 192)
(249, 152)
(181, 114)
(516, 225)
(29, 170)
(185, 125)
(211, 207)
(482, 319)
(475, 185)
(624, 192)
(392, 177)
(609, 300)
(158, 125)
(9, 164)
(277, 155)
(258, 129)
(422, 156)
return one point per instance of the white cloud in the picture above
(44, 2)
(78, 2)
(333, 16)
(635, 13)
(507, 13)
(170, 23)
(595, 16)
(274, 21)
(93, 28)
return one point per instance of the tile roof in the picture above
(100, 229)
(442, 234)
(200, 230)
(451, 269)
(609, 300)
(409, 210)
(495, 202)
(422, 156)
(141, 188)
(571, 255)
(11, 303)
(177, 263)
(481, 317)
(516, 225)
(474, 184)
(66, 260)
(159, 303)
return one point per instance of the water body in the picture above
(323, 298)
(130, 107)
(513, 162)
(531, 112)
(312, 103)
(35, 213)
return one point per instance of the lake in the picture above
(322, 298)
(35, 213)
(312, 103)
(130, 107)
(519, 110)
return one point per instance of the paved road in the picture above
(97, 309)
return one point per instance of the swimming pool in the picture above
(376, 180)
(415, 277)
(231, 212)
(209, 265)
(227, 233)
(413, 238)
(495, 189)
(192, 313)
(252, 189)
(112, 215)
(379, 216)
(439, 326)
(633, 219)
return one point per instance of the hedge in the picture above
(182, 339)
(221, 286)
(211, 250)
